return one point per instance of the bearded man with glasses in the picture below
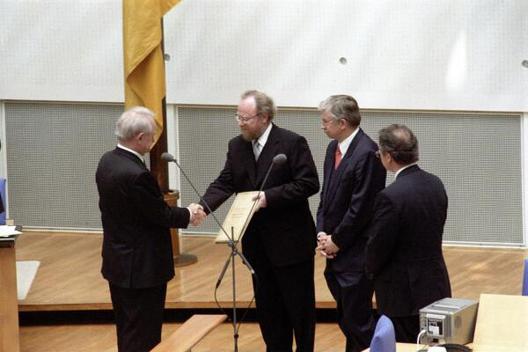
(280, 239)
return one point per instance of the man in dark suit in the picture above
(404, 251)
(352, 178)
(137, 250)
(280, 239)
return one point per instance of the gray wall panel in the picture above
(52, 154)
(478, 156)
(53, 149)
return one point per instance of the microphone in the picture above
(278, 159)
(167, 157)
(170, 158)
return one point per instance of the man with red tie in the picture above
(352, 178)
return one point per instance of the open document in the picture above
(238, 217)
(8, 231)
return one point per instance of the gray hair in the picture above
(400, 142)
(264, 103)
(134, 121)
(342, 107)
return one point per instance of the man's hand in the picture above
(261, 202)
(197, 214)
(326, 246)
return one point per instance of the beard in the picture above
(248, 136)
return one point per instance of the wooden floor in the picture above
(101, 338)
(69, 275)
(69, 279)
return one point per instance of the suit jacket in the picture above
(284, 231)
(347, 198)
(404, 251)
(137, 250)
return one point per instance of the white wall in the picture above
(61, 50)
(400, 54)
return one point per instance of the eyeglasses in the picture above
(244, 119)
(381, 152)
(327, 122)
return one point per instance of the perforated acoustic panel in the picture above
(52, 155)
(478, 156)
(53, 150)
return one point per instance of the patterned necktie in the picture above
(337, 158)
(256, 149)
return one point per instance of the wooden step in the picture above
(190, 333)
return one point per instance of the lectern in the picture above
(9, 340)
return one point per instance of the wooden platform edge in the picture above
(45, 307)
(190, 333)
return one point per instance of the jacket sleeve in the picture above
(369, 179)
(320, 223)
(304, 181)
(221, 188)
(382, 235)
(146, 196)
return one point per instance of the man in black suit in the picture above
(404, 251)
(352, 178)
(137, 250)
(280, 239)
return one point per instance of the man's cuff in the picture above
(337, 241)
(191, 215)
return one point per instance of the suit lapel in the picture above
(329, 168)
(267, 154)
(335, 175)
(352, 146)
(251, 166)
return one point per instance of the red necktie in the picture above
(337, 158)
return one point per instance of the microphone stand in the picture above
(232, 243)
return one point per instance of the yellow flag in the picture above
(144, 65)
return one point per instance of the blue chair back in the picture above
(2, 199)
(384, 339)
(525, 278)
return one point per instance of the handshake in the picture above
(197, 214)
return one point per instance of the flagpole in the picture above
(158, 167)
(160, 170)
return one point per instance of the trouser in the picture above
(406, 328)
(139, 316)
(285, 302)
(354, 308)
